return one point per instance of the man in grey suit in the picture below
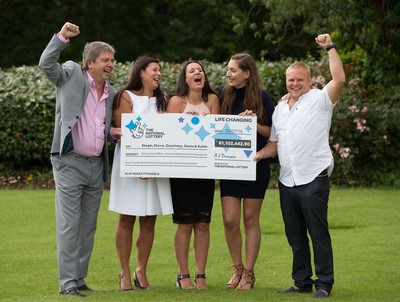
(79, 156)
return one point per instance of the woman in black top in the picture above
(244, 95)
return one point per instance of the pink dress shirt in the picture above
(88, 134)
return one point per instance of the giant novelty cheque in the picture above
(188, 146)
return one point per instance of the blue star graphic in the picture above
(248, 128)
(131, 125)
(187, 128)
(181, 119)
(226, 134)
(138, 118)
(212, 125)
(202, 133)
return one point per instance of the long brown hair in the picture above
(135, 83)
(252, 98)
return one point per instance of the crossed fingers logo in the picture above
(137, 131)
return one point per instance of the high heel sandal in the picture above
(199, 276)
(120, 287)
(247, 281)
(182, 277)
(236, 276)
(137, 282)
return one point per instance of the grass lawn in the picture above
(365, 231)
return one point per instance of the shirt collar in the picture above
(285, 98)
(91, 81)
(93, 85)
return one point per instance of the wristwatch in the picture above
(333, 45)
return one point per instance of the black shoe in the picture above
(178, 281)
(85, 287)
(137, 282)
(199, 276)
(73, 291)
(321, 293)
(295, 289)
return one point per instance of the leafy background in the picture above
(364, 132)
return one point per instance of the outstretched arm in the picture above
(335, 66)
(50, 56)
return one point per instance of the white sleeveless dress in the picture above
(135, 196)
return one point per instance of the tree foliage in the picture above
(367, 33)
(364, 133)
(172, 30)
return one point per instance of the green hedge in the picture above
(364, 133)
(26, 117)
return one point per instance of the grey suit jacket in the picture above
(72, 89)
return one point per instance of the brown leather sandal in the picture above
(236, 276)
(247, 281)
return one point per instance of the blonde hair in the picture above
(300, 65)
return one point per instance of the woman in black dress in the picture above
(244, 95)
(192, 199)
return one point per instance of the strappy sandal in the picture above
(199, 276)
(236, 276)
(182, 277)
(247, 281)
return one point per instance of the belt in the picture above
(84, 156)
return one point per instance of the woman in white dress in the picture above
(131, 196)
